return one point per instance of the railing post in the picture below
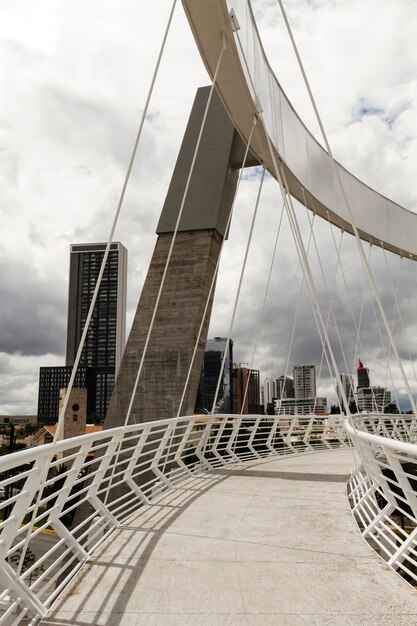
(402, 480)
(203, 443)
(234, 434)
(181, 447)
(162, 445)
(98, 477)
(287, 438)
(19, 510)
(252, 437)
(18, 589)
(68, 485)
(272, 434)
(132, 464)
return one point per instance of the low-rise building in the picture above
(301, 406)
(372, 399)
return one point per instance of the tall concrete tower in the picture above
(189, 276)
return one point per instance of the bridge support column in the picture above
(190, 273)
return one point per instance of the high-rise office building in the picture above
(304, 400)
(105, 339)
(284, 387)
(245, 391)
(267, 392)
(213, 358)
(304, 381)
(106, 336)
(347, 386)
(52, 380)
(301, 406)
(363, 375)
(273, 389)
(372, 399)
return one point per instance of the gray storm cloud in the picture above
(73, 84)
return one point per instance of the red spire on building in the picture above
(363, 375)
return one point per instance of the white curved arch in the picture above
(242, 82)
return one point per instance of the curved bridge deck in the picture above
(271, 544)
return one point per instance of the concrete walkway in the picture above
(274, 544)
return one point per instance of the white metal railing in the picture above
(82, 489)
(382, 489)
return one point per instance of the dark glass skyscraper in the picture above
(105, 340)
(246, 391)
(363, 375)
(52, 380)
(213, 358)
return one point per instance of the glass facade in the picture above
(213, 358)
(304, 381)
(245, 391)
(52, 380)
(105, 339)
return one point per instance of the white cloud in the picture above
(73, 83)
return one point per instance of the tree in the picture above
(27, 430)
(270, 409)
(29, 560)
(391, 408)
(352, 407)
(6, 448)
(334, 409)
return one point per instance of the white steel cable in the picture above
(174, 235)
(328, 322)
(100, 275)
(348, 299)
(213, 280)
(289, 207)
(359, 325)
(253, 354)
(337, 177)
(303, 257)
(394, 316)
(297, 309)
(400, 317)
(330, 294)
(268, 282)
(236, 302)
(384, 348)
(329, 353)
(113, 228)
(171, 247)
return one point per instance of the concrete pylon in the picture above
(190, 273)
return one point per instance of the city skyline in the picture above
(63, 165)
(358, 388)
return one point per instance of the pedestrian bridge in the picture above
(231, 519)
(271, 543)
(219, 520)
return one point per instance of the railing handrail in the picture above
(118, 471)
(393, 444)
(7, 461)
(382, 487)
(105, 477)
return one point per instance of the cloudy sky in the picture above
(73, 80)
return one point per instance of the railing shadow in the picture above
(157, 520)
